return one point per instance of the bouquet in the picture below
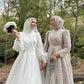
(9, 27)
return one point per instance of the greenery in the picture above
(82, 59)
(72, 14)
(1, 64)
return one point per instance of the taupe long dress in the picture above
(58, 41)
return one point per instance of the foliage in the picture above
(42, 11)
(1, 64)
(6, 40)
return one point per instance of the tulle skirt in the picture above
(25, 69)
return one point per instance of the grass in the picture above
(82, 59)
(80, 82)
(1, 64)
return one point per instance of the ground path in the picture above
(77, 70)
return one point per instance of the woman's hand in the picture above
(42, 66)
(16, 33)
(56, 54)
(53, 57)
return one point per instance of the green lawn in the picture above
(82, 59)
(1, 64)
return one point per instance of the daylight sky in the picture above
(1, 7)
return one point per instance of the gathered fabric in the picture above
(58, 40)
(26, 69)
(60, 70)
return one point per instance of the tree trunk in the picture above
(74, 37)
(75, 31)
(5, 58)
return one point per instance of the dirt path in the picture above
(79, 69)
(4, 71)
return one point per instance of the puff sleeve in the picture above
(19, 44)
(39, 49)
(66, 44)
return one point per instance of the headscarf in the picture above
(58, 22)
(27, 25)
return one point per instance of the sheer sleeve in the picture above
(40, 52)
(66, 44)
(19, 44)
(46, 44)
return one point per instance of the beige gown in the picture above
(60, 71)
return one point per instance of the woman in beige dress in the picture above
(58, 45)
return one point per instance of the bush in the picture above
(7, 41)
(11, 53)
(81, 55)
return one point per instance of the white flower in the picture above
(8, 24)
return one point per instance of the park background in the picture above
(72, 12)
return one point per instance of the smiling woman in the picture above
(28, 43)
(58, 45)
(33, 24)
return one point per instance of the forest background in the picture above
(72, 12)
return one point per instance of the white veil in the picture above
(27, 26)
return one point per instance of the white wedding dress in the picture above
(26, 68)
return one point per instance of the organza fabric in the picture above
(25, 69)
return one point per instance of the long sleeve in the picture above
(19, 44)
(39, 49)
(46, 44)
(66, 44)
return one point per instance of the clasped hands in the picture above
(42, 65)
(52, 58)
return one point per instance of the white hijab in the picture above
(58, 22)
(27, 26)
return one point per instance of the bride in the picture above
(28, 43)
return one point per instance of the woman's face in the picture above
(52, 22)
(33, 24)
